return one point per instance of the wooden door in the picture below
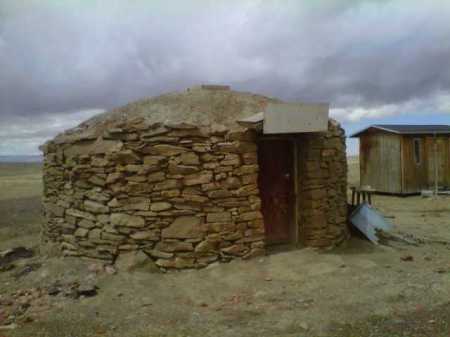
(276, 183)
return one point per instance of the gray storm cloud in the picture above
(70, 55)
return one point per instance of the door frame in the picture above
(294, 230)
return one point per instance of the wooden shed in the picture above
(404, 159)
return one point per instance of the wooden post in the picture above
(436, 172)
(296, 227)
(353, 195)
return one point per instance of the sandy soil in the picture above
(358, 289)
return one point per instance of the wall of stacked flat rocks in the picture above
(323, 187)
(185, 196)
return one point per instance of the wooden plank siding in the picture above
(381, 162)
(443, 161)
(388, 161)
(415, 174)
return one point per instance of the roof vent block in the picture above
(211, 87)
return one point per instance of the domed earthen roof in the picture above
(200, 106)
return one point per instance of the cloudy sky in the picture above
(375, 61)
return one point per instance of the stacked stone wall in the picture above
(185, 196)
(323, 187)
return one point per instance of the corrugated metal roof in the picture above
(407, 129)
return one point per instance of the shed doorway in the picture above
(276, 182)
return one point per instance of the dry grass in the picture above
(357, 290)
(20, 202)
(20, 181)
(353, 170)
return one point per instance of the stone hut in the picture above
(178, 178)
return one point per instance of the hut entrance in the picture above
(276, 184)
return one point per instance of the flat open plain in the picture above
(358, 289)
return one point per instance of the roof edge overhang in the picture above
(385, 129)
(377, 127)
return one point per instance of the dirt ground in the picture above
(358, 289)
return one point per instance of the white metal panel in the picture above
(295, 118)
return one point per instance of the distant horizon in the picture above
(349, 127)
(30, 158)
(11, 159)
